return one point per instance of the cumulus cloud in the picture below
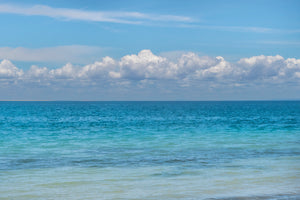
(8, 70)
(99, 69)
(146, 68)
(146, 65)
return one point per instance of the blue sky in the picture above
(50, 34)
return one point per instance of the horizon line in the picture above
(149, 100)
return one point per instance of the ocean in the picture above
(150, 150)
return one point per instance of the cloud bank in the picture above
(147, 68)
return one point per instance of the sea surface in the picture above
(150, 150)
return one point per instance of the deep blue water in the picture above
(149, 150)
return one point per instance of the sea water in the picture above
(150, 150)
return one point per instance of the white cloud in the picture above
(124, 17)
(261, 67)
(98, 16)
(191, 65)
(242, 29)
(265, 60)
(36, 72)
(146, 68)
(238, 28)
(99, 69)
(218, 70)
(72, 53)
(8, 70)
(68, 71)
(146, 65)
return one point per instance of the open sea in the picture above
(150, 150)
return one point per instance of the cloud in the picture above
(146, 65)
(123, 17)
(243, 29)
(72, 53)
(146, 76)
(9, 71)
(97, 16)
(148, 68)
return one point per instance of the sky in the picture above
(149, 50)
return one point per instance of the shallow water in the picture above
(150, 150)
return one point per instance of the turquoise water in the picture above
(150, 150)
